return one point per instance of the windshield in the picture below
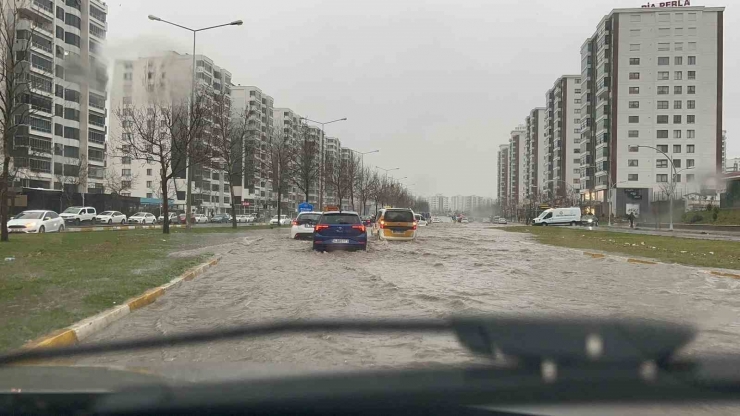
(399, 216)
(71, 210)
(307, 218)
(139, 214)
(106, 213)
(339, 219)
(28, 215)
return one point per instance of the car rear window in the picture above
(340, 219)
(308, 218)
(399, 216)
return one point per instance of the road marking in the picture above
(594, 255)
(638, 261)
(723, 274)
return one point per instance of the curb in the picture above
(88, 326)
(638, 261)
(119, 228)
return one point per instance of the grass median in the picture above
(57, 279)
(690, 252)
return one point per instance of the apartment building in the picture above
(65, 132)
(332, 151)
(503, 175)
(533, 148)
(517, 187)
(439, 204)
(288, 121)
(562, 138)
(651, 77)
(166, 80)
(255, 191)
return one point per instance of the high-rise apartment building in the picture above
(439, 204)
(651, 77)
(562, 138)
(503, 175)
(288, 122)
(517, 186)
(255, 191)
(166, 80)
(65, 132)
(534, 146)
(332, 151)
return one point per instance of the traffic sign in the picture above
(305, 207)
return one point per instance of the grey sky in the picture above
(435, 85)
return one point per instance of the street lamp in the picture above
(362, 168)
(188, 195)
(672, 182)
(387, 170)
(321, 171)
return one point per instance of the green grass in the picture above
(690, 252)
(58, 279)
(724, 217)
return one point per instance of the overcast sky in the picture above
(435, 85)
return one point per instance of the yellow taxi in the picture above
(395, 224)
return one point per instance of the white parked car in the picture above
(201, 219)
(142, 218)
(464, 221)
(173, 218)
(78, 215)
(36, 221)
(245, 218)
(284, 220)
(502, 220)
(420, 221)
(303, 225)
(111, 217)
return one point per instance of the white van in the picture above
(559, 216)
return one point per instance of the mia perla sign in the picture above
(678, 3)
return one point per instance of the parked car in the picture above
(339, 230)
(36, 221)
(78, 215)
(221, 218)
(142, 218)
(590, 220)
(111, 217)
(464, 220)
(173, 218)
(502, 220)
(559, 216)
(181, 218)
(395, 224)
(436, 220)
(241, 218)
(284, 220)
(367, 220)
(420, 221)
(302, 226)
(201, 219)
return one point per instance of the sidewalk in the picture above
(697, 234)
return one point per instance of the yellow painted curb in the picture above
(145, 299)
(734, 276)
(594, 255)
(61, 338)
(637, 261)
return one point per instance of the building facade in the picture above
(562, 140)
(534, 146)
(502, 189)
(516, 185)
(652, 92)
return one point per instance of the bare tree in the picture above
(18, 25)
(161, 132)
(116, 182)
(353, 171)
(279, 164)
(306, 161)
(71, 174)
(338, 177)
(363, 187)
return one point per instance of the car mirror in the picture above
(46, 218)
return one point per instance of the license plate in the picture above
(308, 225)
(399, 232)
(340, 241)
(16, 230)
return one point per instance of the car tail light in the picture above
(415, 224)
(359, 227)
(382, 224)
(321, 227)
(294, 222)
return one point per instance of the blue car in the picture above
(339, 230)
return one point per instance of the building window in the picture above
(634, 75)
(663, 75)
(635, 18)
(662, 177)
(634, 47)
(634, 33)
(664, 60)
(690, 148)
(690, 134)
(148, 172)
(577, 101)
(634, 104)
(662, 148)
(678, 75)
(632, 177)
(690, 177)
(662, 47)
(577, 111)
(634, 119)
(692, 60)
(578, 91)
(662, 134)
(676, 134)
(677, 89)
(634, 61)
(664, 32)
(633, 163)
(689, 163)
(691, 119)
(692, 46)
(663, 89)
(692, 32)
(678, 31)
(662, 119)
(691, 89)
(633, 133)
(690, 104)
(678, 46)
(676, 119)
(576, 121)
(691, 75)
(576, 131)
(677, 104)
(661, 163)
(676, 148)
(633, 149)
(662, 105)
(148, 184)
(634, 90)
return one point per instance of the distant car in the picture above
(502, 220)
(78, 215)
(201, 219)
(284, 220)
(436, 220)
(111, 217)
(36, 221)
(241, 218)
(302, 226)
(590, 220)
(420, 221)
(339, 230)
(367, 220)
(221, 218)
(173, 218)
(395, 224)
(464, 221)
(142, 218)
(181, 218)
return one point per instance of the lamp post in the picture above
(362, 169)
(672, 182)
(321, 170)
(189, 175)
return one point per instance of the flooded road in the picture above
(449, 269)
